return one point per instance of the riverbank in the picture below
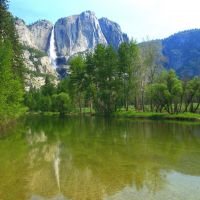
(158, 116)
(7, 124)
(132, 114)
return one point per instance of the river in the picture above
(88, 158)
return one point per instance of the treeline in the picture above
(11, 67)
(107, 81)
(103, 81)
(49, 98)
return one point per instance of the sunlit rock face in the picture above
(25, 36)
(37, 67)
(70, 36)
(41, 31)
(112, 32)
(35, 42)
(73, 34)
(78, 33)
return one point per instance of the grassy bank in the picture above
(7, 123)
(131, 114)
(158, 116)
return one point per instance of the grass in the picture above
(131, 114)
(158, 116)
(73, 112)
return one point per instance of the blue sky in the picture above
(140, 19)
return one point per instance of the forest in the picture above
(11, 68)
(106, 81)
(103, 81)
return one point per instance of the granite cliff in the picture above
(34, 39)
(71, 35)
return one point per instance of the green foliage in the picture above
(192, 95)
(35, 53)
(49, 98)
(167, 93)
(11, 67)
(107, 81)
(129, 67)
(183, 52)
(159, 95)
(77, 80)
(106, 63)
(61, 103)
(4, 4)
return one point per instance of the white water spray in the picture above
(52, 49)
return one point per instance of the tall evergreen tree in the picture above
(11, 66)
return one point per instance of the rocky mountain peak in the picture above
(78, 33)
(19, 21)
(110, 23)
(112, 32)
(25, 36)
(73, 34)
(41, 31)
(88, 13)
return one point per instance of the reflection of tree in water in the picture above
(101, 157)
(13, 163)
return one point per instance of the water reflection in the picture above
(57, 165)
(97, 159)
(59, 197)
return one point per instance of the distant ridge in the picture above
(182, 52)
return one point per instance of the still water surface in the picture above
(47, 158)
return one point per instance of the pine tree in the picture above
(11, 67)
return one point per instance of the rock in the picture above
(37, 69)
(112, 33)
(78, 33)
(35, 41)
(41, 31)
(33, 82)
(25, 36)
(74, 35)
(28, 63)
(47, 68)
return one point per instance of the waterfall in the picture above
(52, 49)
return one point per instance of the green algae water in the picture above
(87, 158)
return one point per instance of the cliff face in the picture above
(25, 35)
(35, 39)
(38, 65)
(74, 35)
(112, 32)
(78, 33)
(41, 31)
(181, 52)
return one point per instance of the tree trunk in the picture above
(197, 107)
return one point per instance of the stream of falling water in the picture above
(57, 165)
(52, 49)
